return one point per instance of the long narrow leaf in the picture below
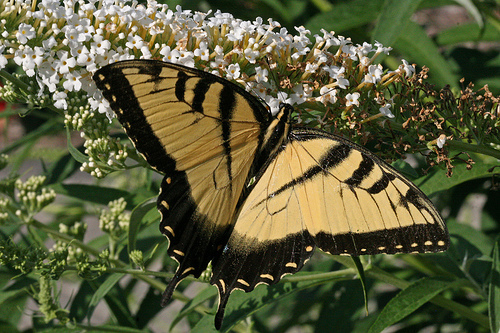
(409, 300)
(77, 155)
(90, 193)
(46, 128)
(136, 219)
(243, 304)
(344, 16)
(393, 20)
(190, 306)
(103, 290)
(416, 45)
(438, 181)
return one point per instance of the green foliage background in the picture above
(454, 291)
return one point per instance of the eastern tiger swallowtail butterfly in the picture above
(255, 193)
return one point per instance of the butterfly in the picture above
(254, 193)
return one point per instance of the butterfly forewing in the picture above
(200, 131)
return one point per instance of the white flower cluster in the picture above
(76, 231)
(115, 221)
(60, 43)
(4, 160)
(4, 203)
(33, 196)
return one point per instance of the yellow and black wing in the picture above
(322, 190)
(309, 188)
(199, 130)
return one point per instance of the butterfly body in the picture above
(253, 193)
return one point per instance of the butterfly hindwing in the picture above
(202, 132)
(322, 190)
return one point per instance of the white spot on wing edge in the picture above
(222, 285)
(165, 204)
(187, 270)
(267, 276)
(169, 229)
(179, 253)
(243, 282)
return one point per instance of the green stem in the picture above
(105, 328)
(336, 275)
(20, 84)
(26, 88)
(119, 264)
(68, 239)
(468, 147)
(121, 267)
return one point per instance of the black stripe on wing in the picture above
(117, 90)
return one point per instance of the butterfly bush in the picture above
(331, 82)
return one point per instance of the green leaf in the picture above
(77, 155)
(438, 181)
(362, 278)
(12, 309)
(205, 325)
(80, 301)
(473, 242)
(393, 20)
(408, 300)
(494, 290)
(91, 193)
(62, 169)
(341, 307)
(467, 33)
(416, 45)
(108, 329)
(65, 330)
(136, 219)
(241, 305)
(345, 16)
(405, 168)
(102, 291)
(6, 327)
(149, 307)
(207, 293)
(289, 10)
(116, 300)
(17, 289)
